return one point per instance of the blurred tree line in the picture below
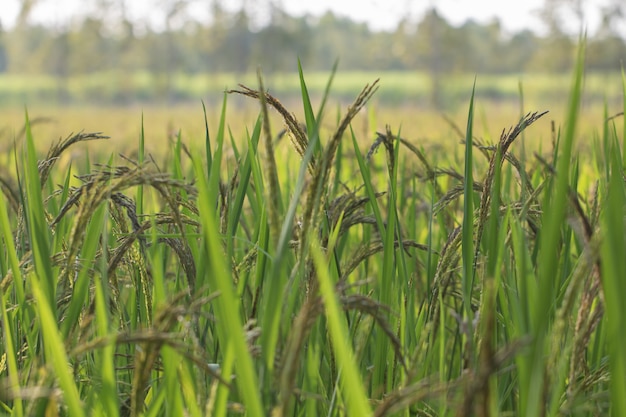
(231, 43)
(105, 39)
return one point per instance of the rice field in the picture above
(304, 261)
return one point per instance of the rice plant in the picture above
(335, 275)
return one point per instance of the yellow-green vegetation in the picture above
(424, 126)
(397, 87)
(330, 271)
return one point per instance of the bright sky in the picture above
(379, 14)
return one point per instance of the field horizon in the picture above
(396, 88)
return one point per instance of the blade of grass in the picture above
(467, 245)
(367, 181)
(352, 388)
(613, 267)
(188, 390)
(10, 357)
(221, 401)
(533, 372)
(38, 231)
(229, 325)
(207, 139)
(140, 158)
(245, 172)
(623, 118)
(55, 350)
(171, 362)
(9, 330)
(107, 396)
(88, 254)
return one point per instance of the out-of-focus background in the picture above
(100, 64)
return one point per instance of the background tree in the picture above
(432, 35)
(17, 45)
(105, 40)
(4, 58)
(168, 56)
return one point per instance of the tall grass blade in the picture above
(10, 357)
(140, 159)
(207, 139)
(38, 231)
(623, 118)
(107, 396)
(309, 117)
(352, 388)
(245, 172)
(55, 350)
(468, 214)
(549, 256)
(229, 324)
(369, 188)
(613, 267)
(88, 254)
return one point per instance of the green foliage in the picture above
(100, 58)
(234, 41)
(379, 281)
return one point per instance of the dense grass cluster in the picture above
(352, 277)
